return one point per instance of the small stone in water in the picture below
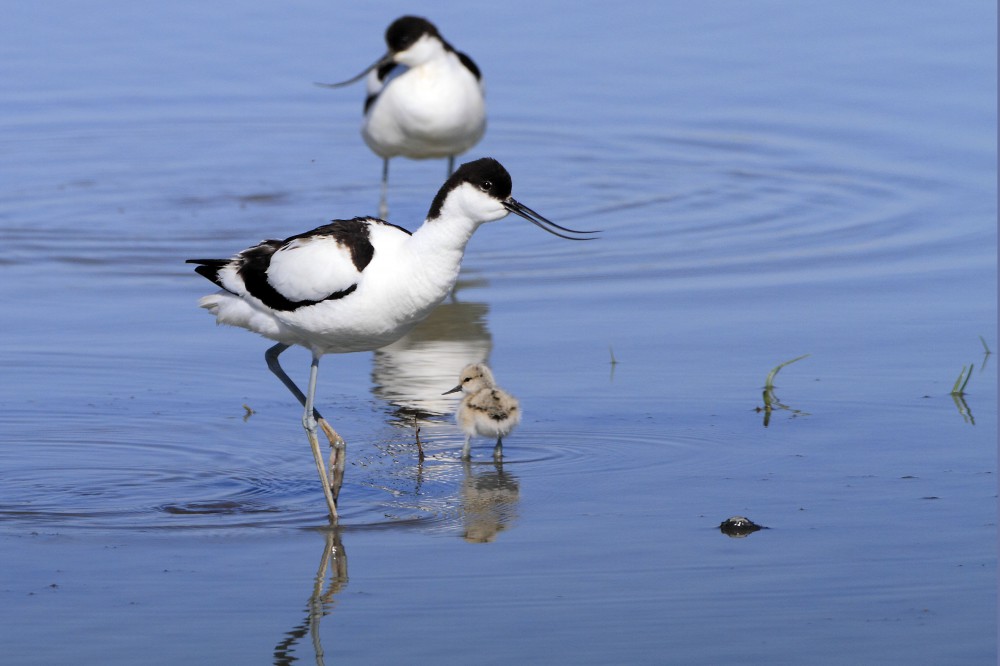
(739, 526)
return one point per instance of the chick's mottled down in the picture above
(486, 410)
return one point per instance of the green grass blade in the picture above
(954, 389)
(769, 382)
(963, 380)
(967, 378)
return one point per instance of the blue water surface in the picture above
(772, 180)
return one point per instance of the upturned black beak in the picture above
(519, 209)
(384, 60)
(454, 390)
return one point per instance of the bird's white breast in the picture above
(436, 109)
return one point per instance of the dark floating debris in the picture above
(739, 527)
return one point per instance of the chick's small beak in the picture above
(454, 390)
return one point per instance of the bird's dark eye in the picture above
(486, 185)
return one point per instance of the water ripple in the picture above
(134, 484)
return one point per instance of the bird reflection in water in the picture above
(331, 578)
(409, 373)
(489, 501)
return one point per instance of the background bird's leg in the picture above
(451, 166)
(498, 450)
(383, 204)
(309, 422)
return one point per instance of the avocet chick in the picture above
(486, 410)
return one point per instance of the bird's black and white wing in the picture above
(324, 264)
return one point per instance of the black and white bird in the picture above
(425, 99)
(486, 409)
(358, 285)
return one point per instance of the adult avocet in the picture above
(357, 285)
(425, 99)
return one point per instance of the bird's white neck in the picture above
(432, 256)
(426, 50)
(436, 249)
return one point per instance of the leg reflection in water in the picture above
(331, 578)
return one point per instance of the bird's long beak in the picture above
(384, 60)
(454, 390)
(519, 209)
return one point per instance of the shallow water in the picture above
(771, 180)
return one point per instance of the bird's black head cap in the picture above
(406, 30)
(485, 173)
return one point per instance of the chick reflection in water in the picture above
(489, 502)
(485, 410)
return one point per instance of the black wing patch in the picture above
(254, 262)
(253, 272)
(469, 65)
(385, 70)
(351, 234)
(209, 268)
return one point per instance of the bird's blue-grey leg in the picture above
(337, 443)
(309, 423)
(466, 450)
(331, 483)
(383, 204)
(271, 356)
(498, 450)
(451, 166)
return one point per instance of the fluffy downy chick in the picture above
(486, 409)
